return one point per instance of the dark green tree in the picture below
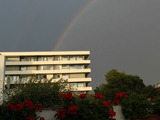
(120, 82)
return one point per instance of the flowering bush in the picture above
(39, 92)
(155, 101)
(136, 106)
(85, 107)
(20, 111)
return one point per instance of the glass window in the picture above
(65, 66)
(72, 57)
(79, 58)
(40, 58)
(47, 67)
(73, 85)
(23, 68)
(56, 67)
(79, 66)
(41, 77)
(80, 84)
(76, 66)
(12, 79)
(72, 66)
(64, 58)
(56, 76)
(65, 76)
(33, 58)
(50, 58)
(56, 58)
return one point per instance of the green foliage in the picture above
(89, 108)
(136, 106)
(120, 82)
(43, 92)
(156, 105)
(123, 81)
(150, 91)
(14, 112)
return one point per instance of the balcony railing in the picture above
(88, 70)
(47, 62)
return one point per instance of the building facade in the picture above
(55, 65)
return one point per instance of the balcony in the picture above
(81, 89)
(88, 70)
(75, 79)
(47, 62)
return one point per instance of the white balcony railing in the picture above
(47, 62)
(88, 70)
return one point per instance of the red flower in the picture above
(30, 118)
(120, 95)
(68, 95)
(19, 107)
(73, 109)
(116, 102)
(11, 106)
(29, 104)
(61, 114)
(99, 96)
(112, 113)
(82, 96)
(42, 118)
(38, 107)
(106, 103)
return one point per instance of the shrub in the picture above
(42, 92)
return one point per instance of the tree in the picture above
(120, 82)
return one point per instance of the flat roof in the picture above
(34, 53)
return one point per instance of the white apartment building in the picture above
(55, 65)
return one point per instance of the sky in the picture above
(121, 34)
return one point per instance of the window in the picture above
(75, 85)
(76, 67)
(40, 58)
(56, 58)
(26, 78)
(72, 57)
(12, 79)
(46, 58)
(23, 68)
(65, 58)
(65, 76)
(56, 76)
(56, 67)
(33, 58)
(41, 77)
(47, 67)
(79, 57)
(65, 66)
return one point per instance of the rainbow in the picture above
(71, 24)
